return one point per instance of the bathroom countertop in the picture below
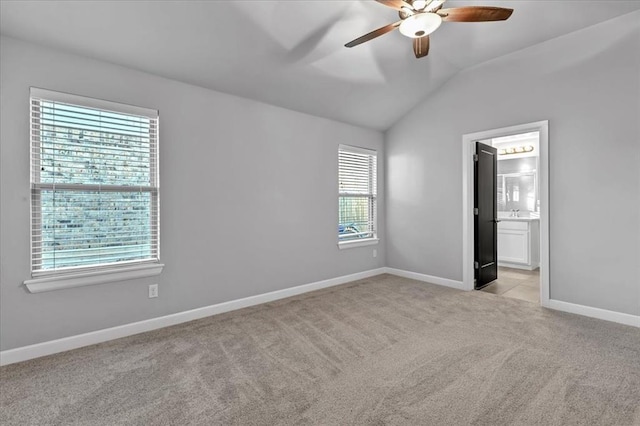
(519, 219)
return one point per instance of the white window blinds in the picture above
(357, 193)
(94, 183)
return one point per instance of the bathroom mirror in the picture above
(517, 191)
(517, 185)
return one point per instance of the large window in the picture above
(94, 184)
(357, 195)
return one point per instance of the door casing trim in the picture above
(468, 150)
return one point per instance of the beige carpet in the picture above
(385, 350)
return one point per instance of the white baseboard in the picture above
(588, 311)
(73, 342)
(519, 266)
(426, 278)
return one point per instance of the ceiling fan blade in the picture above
(373, 34)
(396, 4)
(421, 46)
(475, 14)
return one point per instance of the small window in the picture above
(356, 195)
(94, 184)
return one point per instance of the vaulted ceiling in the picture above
(291, 53)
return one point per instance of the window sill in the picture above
(357, 243)
(60, 282)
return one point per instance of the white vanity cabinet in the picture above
(519, 243)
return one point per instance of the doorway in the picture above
(522, 216)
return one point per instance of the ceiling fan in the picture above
(419, 18)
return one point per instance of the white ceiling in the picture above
(290, 52)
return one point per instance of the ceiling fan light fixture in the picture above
(419, 4)
(434, 5)
(407, 11)
(420, 25)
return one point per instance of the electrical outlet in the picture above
(153, 290)
(375, 252)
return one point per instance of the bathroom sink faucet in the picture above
(515, 212)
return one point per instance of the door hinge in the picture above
(476, 265)
(475, 157)
(476, 211)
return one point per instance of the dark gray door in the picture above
(485, 213)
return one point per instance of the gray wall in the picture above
(248, 198)
(587, 84)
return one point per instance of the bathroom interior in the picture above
(518, 196)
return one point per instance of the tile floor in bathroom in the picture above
(516, 283)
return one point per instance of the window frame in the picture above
(373, 196)
(66, 277)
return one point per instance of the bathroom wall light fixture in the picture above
(515, 150)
